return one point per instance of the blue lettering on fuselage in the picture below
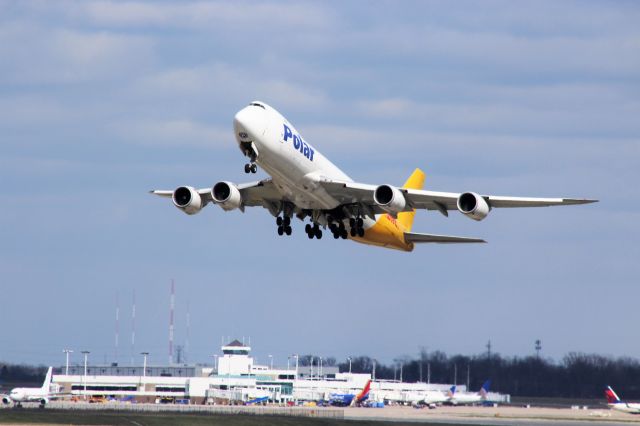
(298, 143)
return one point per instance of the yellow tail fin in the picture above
(415, 181)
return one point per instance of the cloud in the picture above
(207, 16)
(33, 54)
(173, 132)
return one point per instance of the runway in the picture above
(64, 413)
(499, 416)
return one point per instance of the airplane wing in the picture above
(262, 193)
(352, 192)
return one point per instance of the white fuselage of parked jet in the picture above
(41, 395)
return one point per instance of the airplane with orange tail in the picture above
(306, 185)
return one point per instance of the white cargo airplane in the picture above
(306, 184)
(614, 401)
(41, 394)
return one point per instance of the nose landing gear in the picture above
(250, 167)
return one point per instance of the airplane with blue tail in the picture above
(349, 399)
(458, 398)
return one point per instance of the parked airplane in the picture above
(41, 394)
(430, 399)
(305, 184)
(348, 399)
(613, 401)
(457, 398)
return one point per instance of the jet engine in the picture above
(226, 195)
(187, 199)
(389, 198)
(473, 205)
(44, 401)
(6, 400)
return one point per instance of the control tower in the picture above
(235, 360)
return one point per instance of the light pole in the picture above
(320, 370)
(288, 358)
(311, 368)
(349, 364)
(215, 362)
(401, 365)
(67, 352)
(374, 369)
(271, 361)
(86, 353)
(144, 363)
(297, 356)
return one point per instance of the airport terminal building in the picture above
(237, 379)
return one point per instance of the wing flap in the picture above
(412, 237)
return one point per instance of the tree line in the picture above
(576, 375)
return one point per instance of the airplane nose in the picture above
(250, 123)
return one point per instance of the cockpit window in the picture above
(256, 104)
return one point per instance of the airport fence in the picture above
(318, 412)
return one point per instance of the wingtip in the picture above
(580, 201)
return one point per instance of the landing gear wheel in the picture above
(280, 230)
(253, 168)
(287, 229)
(279, 221)
(352, 223)
(343, 234)
(307, 228)
(360, 222)
(318, 233)
(310, 235)
(360, 232)
(286, 221)
(247, 168)
(353, 232)
(336, 234)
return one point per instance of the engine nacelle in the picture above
(389, 198)
(44, 401)
(473, 205)
(6, 400)
(187, 199)
(226, 195)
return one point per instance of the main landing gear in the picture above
(284, 225)
(313, 231)
(338, 230)
(250, 167)
(357, 227)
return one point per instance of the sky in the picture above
(102, 101)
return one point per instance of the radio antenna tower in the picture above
(171, 309)
(117, 340)
(133, 327)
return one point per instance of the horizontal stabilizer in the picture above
(411, 237)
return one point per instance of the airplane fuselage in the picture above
(20, 395)
(631, 408)
(294, 164)
(297, 167)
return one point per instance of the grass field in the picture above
(65, 417)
